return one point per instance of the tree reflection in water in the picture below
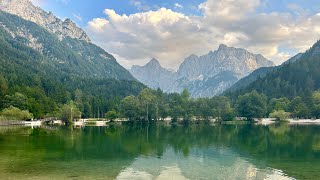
(157, 150)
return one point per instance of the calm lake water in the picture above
(161, 152)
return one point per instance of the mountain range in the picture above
(203, 76)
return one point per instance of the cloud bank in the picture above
(171, 36)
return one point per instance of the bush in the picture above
(252, 105)
(112, 115)
(69, 112)
(280, 115)
(228, 115)
(13, 113)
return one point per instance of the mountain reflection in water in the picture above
(138, 151)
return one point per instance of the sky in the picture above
(135, 31)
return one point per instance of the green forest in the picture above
(155, 105)
(42, 82)
(298, 78)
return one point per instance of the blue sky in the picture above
(89, 9)
(171, 30)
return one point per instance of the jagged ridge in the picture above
(203, 76)
(26, 10)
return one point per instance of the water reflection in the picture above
(211, 164)
(161, 152)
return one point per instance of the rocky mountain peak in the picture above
(67, 21)
(153, 62)
(26, 10)
(204, 76)
(192, 56)
(226, 50)
(222, 47)
(314, 50)
(153, 74)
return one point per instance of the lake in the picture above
(158, 151)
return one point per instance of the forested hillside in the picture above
(259, 73)
(294, 78)
(39, 72)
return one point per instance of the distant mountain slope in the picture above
(203, 76)
(212, 85)
(153, 74)
(259, 73)
(297, 77)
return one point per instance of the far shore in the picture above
(96, 122)
(268, 121)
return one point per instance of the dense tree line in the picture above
(152, 104)
(48, 98)
(156, 105)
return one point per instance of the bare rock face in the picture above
(26, 10)
(203, 76)
(236, 60)
(153, 75)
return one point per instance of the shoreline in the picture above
(304, 121)
(263, 121)
(269, 121)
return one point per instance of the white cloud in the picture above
(228, 9)
(97, 25)
(171, 36)
(141, 6)
(162, 34)
(177, 5)
(77, 16)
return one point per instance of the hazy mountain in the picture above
(203, 76)
(153, 74)
(298, 76)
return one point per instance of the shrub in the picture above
(13, 113)
(280, 115)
